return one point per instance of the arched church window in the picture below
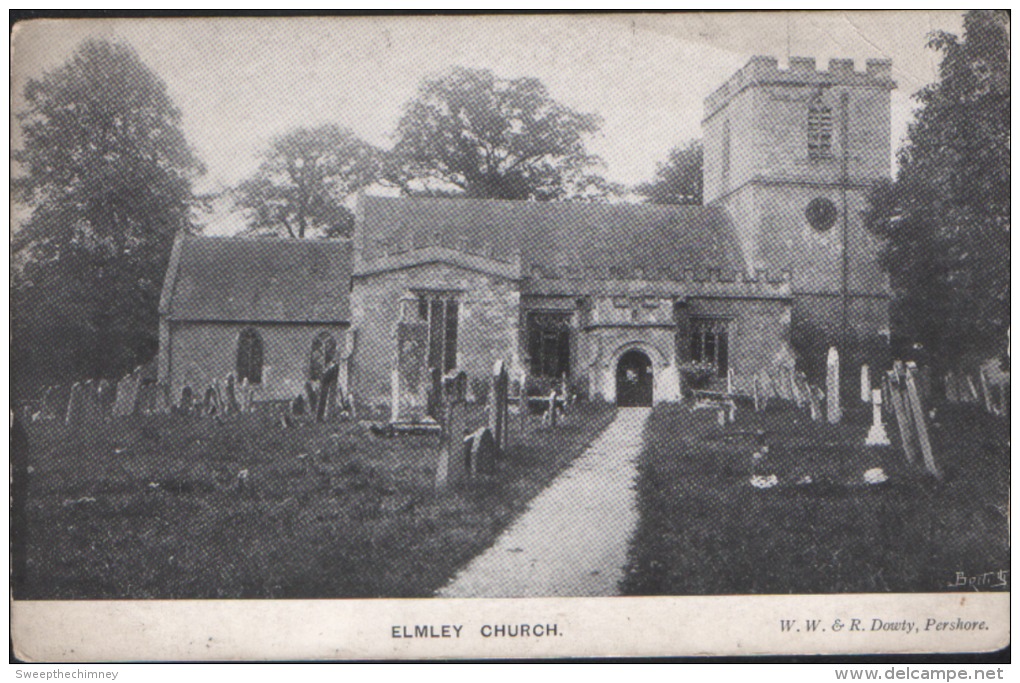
(322, 356)
(249, 356)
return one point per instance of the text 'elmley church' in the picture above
(614, 298)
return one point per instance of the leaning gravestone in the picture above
(920, 419)
(832, 386)
(454, 449)
(498, 405)
(483, 452)
(74, 406)
(904, 418)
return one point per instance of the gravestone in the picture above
(815, 402)
(327, 392)
(409, 385)
(904, 418)
(454, 448)
(231, 398)
(985, 393)
(73, 416)
(483, 452)
(876, 434)
(187, 400)
(865, 384)
(920, 419)
(832, 386)
(525, 405)
(211, 405)
(311, 398)
(498, 405)
(952, 396)
(127, 395)
(797, 393)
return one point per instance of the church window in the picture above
(710, 343)
(440, 312)
(323, 355)
(819, 132)
(549, 343)
(249, 356)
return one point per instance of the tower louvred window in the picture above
(819, 132)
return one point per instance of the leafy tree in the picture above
(677, 180)
(946, 218)
(303, 180)
(473, 134)
(106, 172)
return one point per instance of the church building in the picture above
(614, 299)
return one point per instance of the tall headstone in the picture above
(832, 386)
(498, 405)
(901, 408)
(73, 416)
(454, 449)
(311, 398)
(865, 384)
(876, 434)
(920, 419)
(410, 388)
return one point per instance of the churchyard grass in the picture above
(168, 506)
(705, 530)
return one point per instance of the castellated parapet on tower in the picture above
(801, 71)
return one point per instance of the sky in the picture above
(239, 82)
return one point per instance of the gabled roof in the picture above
(258, 280)
(554, 240)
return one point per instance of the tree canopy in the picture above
(303, 180)
(946, 218)
(106, 171)
(678, 179)
(471, 133)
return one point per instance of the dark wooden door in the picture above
(634, 380)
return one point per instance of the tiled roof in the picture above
(556, 240)
(258, 280)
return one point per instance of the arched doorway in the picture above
(634, 380)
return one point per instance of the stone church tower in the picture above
(791, 154)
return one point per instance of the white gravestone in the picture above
(832, 386)
(876, 435)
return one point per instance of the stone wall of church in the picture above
(759, 329)
(487, 327)
(199, 353)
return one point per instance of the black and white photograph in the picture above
(417, 322)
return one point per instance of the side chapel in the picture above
(611, 298)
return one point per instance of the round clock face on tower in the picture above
(821, 214)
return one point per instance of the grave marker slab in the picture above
(865, 384)
(498, 405)
(483, 452)
(920, 419)
(327, 392)
(832, 409)
(876, 434)
(904, 419)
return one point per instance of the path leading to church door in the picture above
(573, 539)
